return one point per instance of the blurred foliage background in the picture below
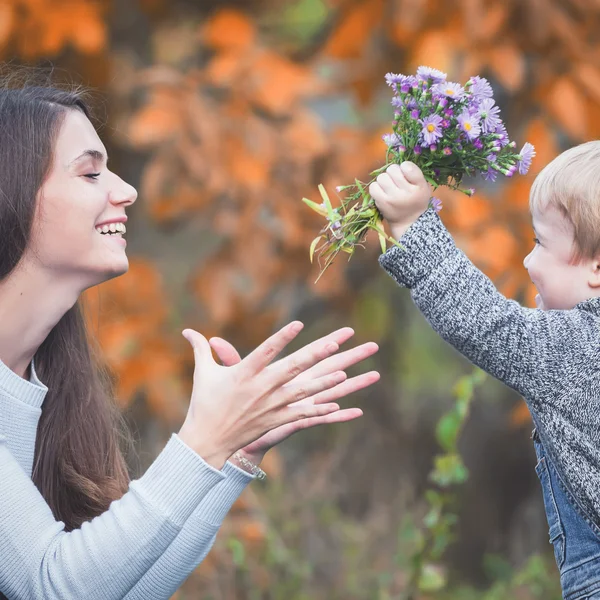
(224, 114)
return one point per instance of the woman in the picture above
(72, 525)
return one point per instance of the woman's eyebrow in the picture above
(94, 154)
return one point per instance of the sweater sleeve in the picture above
(194, 540)
(531, 350)
(108, 555)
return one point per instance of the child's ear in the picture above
(594, 280)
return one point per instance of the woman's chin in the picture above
(115, 270)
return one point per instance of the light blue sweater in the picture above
(142, 548)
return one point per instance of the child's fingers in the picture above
(376, 192)
(413, 174)
(387, 184)
(395, 172)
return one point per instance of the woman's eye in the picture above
(91, 175)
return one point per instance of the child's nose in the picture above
(526, 260)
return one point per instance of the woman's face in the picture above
(79, 195)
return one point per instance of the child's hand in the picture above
(402, 195)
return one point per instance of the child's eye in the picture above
(536, 241)
(91, 175)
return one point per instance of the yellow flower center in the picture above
(431, 127)
(450, 92)
(468, 126)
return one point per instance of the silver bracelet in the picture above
(254, 469)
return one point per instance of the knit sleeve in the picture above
(108, 555)
(194, 540)
(531, 350)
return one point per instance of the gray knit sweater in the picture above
(552, 358)
(142, 548)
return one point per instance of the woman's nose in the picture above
(123, 193)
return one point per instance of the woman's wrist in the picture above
(208, 452)
(248, 461)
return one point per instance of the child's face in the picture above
(561, 283)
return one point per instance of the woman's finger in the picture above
(288, 368)
(340, 362)
(262, 356)
(346, 387)
(296, 392)
(338, 416)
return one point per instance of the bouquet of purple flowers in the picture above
(448, 130)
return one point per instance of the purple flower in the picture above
(447, 151)
(414, 114)
(426, 73)
(469, 125)
(502, 134)
(433, 148)
(397, 102)
(490, 175)
(526, 156)
(480, 87)
(488, 112)
(449, 89)
(436, 204)
(408, 82)
(478, 144)
(391, 139)
(445, 123)
(443, 102)
(392, 79)
(470, 192)
(449, 112)
(417, 150)
(432, 130)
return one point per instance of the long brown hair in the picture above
(79, 466)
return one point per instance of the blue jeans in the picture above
(575, 538)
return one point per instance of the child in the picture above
(550, 355)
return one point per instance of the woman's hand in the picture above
(255, 451)
(234, 406)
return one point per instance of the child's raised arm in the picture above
(529, 350)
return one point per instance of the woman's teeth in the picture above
(113, 228)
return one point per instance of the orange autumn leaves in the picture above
(34, 29)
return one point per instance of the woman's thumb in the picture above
(199, 343)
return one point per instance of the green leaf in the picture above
(327, 203)
(432, 579)
(313, 246)
(464, 387)
(316, 207)
(449, 470)
(366, 198)
(382, 242)
(447, 430)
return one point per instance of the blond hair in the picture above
(571, 183)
